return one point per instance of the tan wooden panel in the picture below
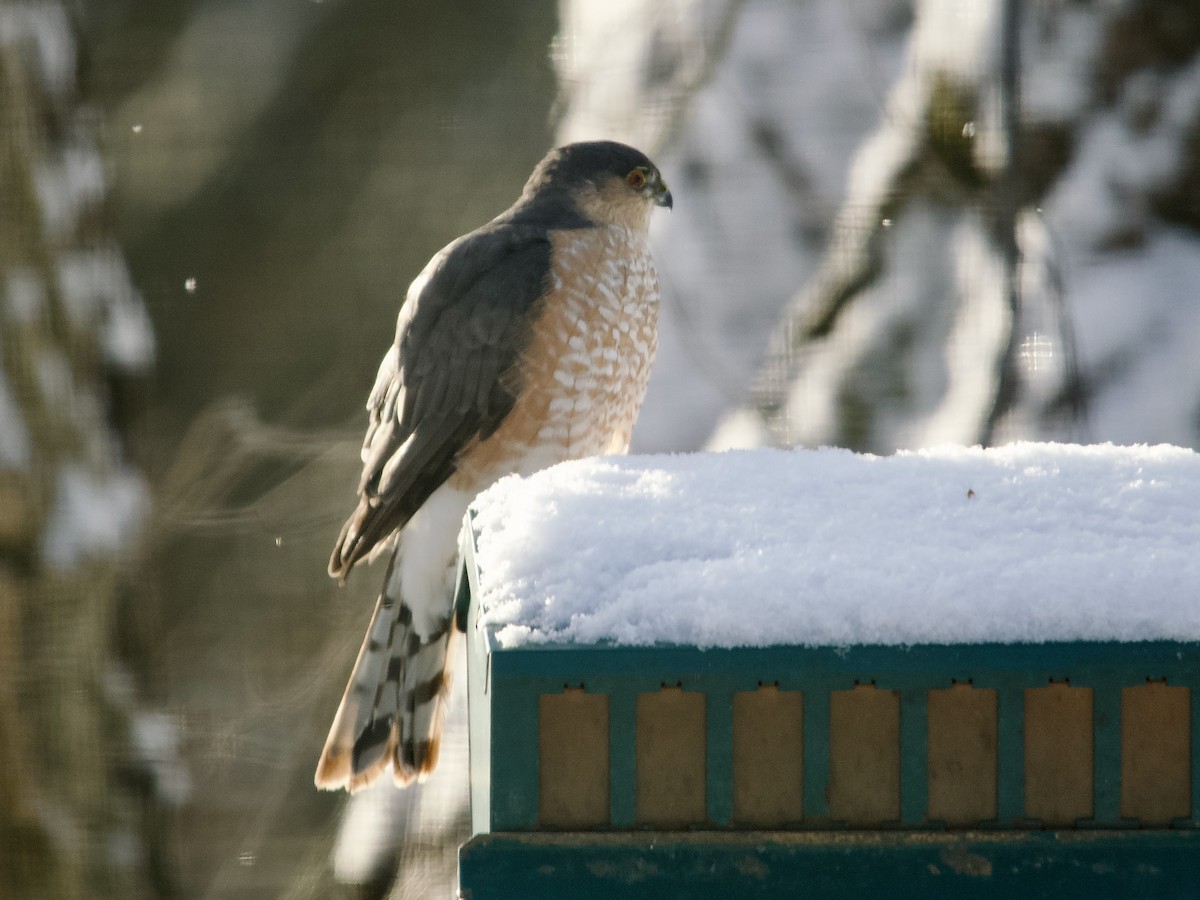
(768, 748)
(864, 756)
(961, 762)
(1156, 750)
(1059, 782)
(671, 762)
(573, 769)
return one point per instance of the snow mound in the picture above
(1023, 543)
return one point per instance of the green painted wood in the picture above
(1194, 822)
(990, 865)
(622, 724)
(1010, 753)
(1106, 725)
(719, 716)
(518, 676)
(816, 753)
(914, 732)
(508, 857)
(994, 665)
(478, 672)
(514, 781)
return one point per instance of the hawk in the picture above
(522, 344)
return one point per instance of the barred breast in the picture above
(585, 369)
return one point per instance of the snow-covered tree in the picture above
(83, 765)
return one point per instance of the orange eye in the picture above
(636, 179)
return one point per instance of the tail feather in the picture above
(356, 711)
(426, 689)
(392, 712)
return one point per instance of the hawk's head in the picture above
(606, 182)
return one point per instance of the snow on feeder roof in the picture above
(1023, 543)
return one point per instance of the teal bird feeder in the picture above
(975, 768)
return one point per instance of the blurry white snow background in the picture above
(768, 117)
(754, 114)
(1023, 543)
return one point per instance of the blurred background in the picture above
(897, 223)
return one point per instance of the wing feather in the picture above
(450, 377)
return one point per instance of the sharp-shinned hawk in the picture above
(522, 344)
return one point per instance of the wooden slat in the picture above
(1156, 750)
(1059, 758)
(962, 755)
(573, 760)
(768, 754)
(671, 786)
(864, 756)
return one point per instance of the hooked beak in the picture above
(663, 197)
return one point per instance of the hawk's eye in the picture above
(637, 178)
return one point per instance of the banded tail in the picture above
(395, 702)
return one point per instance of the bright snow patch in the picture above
(92, 515)
(1030, 542)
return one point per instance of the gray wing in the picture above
(450, 376)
